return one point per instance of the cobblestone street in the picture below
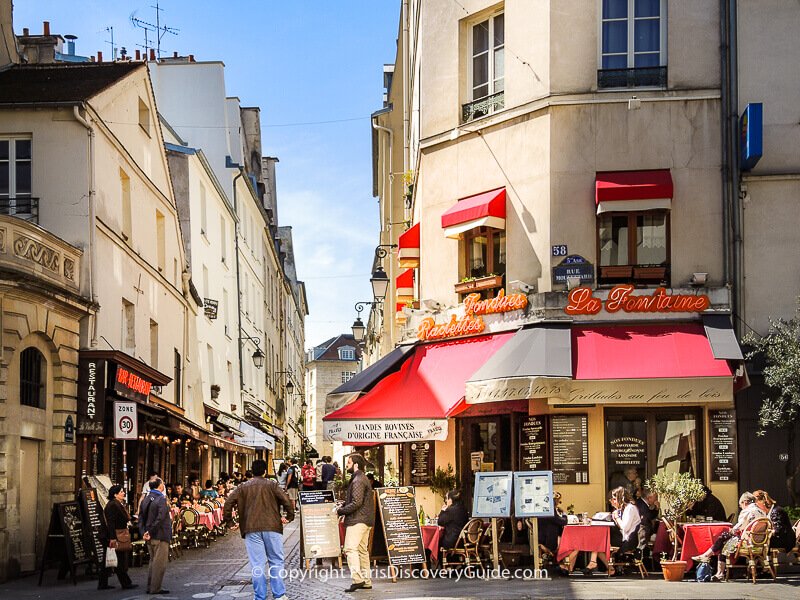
(221, 572)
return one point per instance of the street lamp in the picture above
(379, 279)
(258, 355)
(289, 383)
(359, 329)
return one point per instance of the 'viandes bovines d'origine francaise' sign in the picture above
(386, 431)
(581, 301)
(472, 322)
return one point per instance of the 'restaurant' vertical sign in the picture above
(91, 396)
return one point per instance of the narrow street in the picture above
(221, 572)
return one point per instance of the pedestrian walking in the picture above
(328, 473)
(117, 519)
(293, 480)
(155, 525)
(359, 519)
(258, 503)
(309, 475)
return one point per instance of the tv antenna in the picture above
(110, 29)
(157, 29)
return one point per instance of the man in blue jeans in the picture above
(258, 503)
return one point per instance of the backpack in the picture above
(309, 476)
(295, 477)
(703, 572)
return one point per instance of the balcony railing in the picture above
(482, 107)
(628, 78)
(26, 208)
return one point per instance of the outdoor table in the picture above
(587, 538)
(662, 543)
(699, 537)
(217, 516)
(430, 540)
(206, 519)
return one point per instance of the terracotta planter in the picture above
(464, 287)
(616, 272)
(673, 570)
(650, 273)
(481, 283)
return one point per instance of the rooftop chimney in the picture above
(26, 31)
(46, 28)
(71, 43)
(138, 55)
(152, 54)
(191, 58)
(99, 56)
(175, 54)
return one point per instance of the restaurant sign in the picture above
(91, 396)
(472, 322)
(385, 431)
(581, 301)
(131, 385)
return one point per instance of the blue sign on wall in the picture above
(751, 130)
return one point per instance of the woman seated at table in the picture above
(208, 491)
(783, 536)
(624, 536)
(452, 517)
(727, 543)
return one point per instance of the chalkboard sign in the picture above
(533, 444)
(398, 509)
(422, 463)
(569, 435)
(724, 456)
(65, 542)
(94, 521)
(320, 525)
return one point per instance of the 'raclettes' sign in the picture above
(581, 301)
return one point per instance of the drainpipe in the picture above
(736, 201)
(92, 222)
(406, 95)
(238, 284)
(391, 177)
(724, 141)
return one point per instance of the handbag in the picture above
(123, 540)
(111, 558)
(703, 572)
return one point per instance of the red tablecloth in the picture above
(699, 538)
(207, 519)
(590, 538)
(430, 539)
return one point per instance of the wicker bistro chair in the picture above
(754, 548)
(194, 532)
(466, 546)
(625, 561)
(175, 550)
(485, 547)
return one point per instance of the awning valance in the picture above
(408, 248)
(365, 380)
(487, 209)
(415, 402)
(230, 446)
(255, 438)
(536, 363)
(633, 190)
(404, 286)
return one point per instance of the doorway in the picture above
(491, 435)
(28, 502)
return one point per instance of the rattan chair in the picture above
(195, 533)
(485, 546)
(754, 548)
(175, 550)
(466, 546)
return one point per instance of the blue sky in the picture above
(300, 61)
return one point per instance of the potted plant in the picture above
(215, 390)
(467, 284)
(676, 494)
(490, 281)
(443, 480)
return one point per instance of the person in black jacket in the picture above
(647, 505)
(452, 517)
(155, 525)
(710, 506)
(783, 536)
(117, 517)
(359, 519)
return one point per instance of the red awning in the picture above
(408, 248)
(404, 286)
(427, 389)
(484, 209)
(633, 190)
(644, 352)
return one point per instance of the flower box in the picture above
(616, 272)
(481, 283)
(650, 273)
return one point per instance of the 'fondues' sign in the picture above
(581, 301)
(471, 323)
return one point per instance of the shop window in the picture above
(640, 444)
(31, 378)
(484, 253)
(486, 69)
(634, 247)
(633, 44)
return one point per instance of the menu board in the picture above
(533, 443)
(724, 456)
(94, 520)
(569, 435)
(492, 497)
(422, 462)
(65, 540)
(533, 494)
(320, 525)
(398, 509)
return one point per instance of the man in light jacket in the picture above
(258, 502)
(155, 525)
(359, 518)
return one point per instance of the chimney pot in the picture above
(46, 27)
(152, 54)
(191, 58)
(26, 31)
(175, 54)
(138, 55)
(99, 56)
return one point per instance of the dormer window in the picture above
(347, 353)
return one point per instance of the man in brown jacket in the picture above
(359, 518)
(258, 503)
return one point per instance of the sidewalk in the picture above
(221, 572)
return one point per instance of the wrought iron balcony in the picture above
(26, 208)
(628, 78)
(482, 107)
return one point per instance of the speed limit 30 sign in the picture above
(126, 426)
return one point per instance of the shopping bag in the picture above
(111, 557)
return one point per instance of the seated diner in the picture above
(452, 517)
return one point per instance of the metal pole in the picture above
(125, 467)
